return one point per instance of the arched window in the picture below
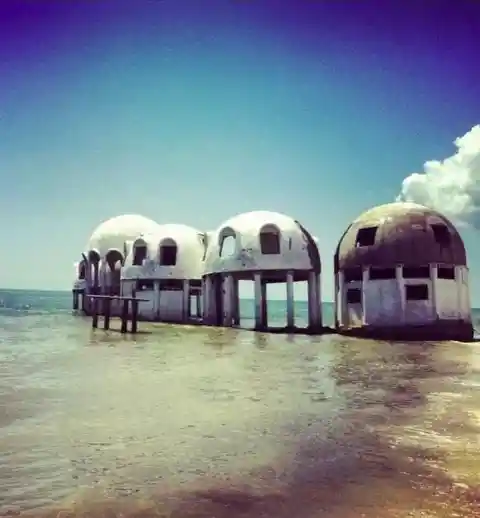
(168, 252)
(114, 259)
(94, 256)
(227, 242)
(115, 262)
(82, 270)
(270, 240)
(140, 251)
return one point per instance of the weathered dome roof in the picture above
(114, 232)
(190, 244)
(297, 250)
(400, 233)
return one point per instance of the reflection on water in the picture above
(204, 422)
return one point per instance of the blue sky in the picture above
(193, 111)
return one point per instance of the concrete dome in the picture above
(400, 233)
(113, 233)
(188, 256)
(262, 240)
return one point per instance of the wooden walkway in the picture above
(106, 302)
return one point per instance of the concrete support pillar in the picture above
(228, 291)
(186, 300)
(314, 308)
(207, 299)
(156, 300)
(259, 303)
(335, 301)
(236, 302)
(341, 299)
(198, 307)
(290, 301)
(264, 304)
(365, 280)
(75, 300)
(401, 289)
(434, 281)
(96, 274)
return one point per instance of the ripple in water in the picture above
(191, 422)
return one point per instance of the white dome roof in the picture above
(189, 259)
(298, 249)
(113, 233)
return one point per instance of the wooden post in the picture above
(95, 313)
(123, 329)
(106, 312)
(134, 312)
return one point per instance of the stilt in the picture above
(236, 302)
(259, 303)
(228, 292)
(335, 300)
(186, 300)
(314, 311)
(106, 312)
(134, 312)
(207, 293)
(124, 317)
(290, 302)
(198, 305)
(75, 300)
(218, 299)
(264, 304)
(95, 313)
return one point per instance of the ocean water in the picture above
(190, 422)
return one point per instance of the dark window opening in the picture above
(352, 274)
(416, 291)
(82, 270)
(377, 274)
(171, 285)
(354, 296)
(446, 272)
(269, 240)
(227, 246)
(416, 272)
(93, 256)
(441, 234)
(168, 255)
(114, 260)
(145, 285)
(139, 255)
(195, 283)
(366, 236)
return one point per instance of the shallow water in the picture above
(202, 422)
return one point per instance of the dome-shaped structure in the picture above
(400, 233)
(401, 272)
(172, 250)
(115, 232)
(261, 240)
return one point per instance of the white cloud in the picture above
(452, 185)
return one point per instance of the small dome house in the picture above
(266, 247)
(105, 253)
(401, 271)
(166, 267)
